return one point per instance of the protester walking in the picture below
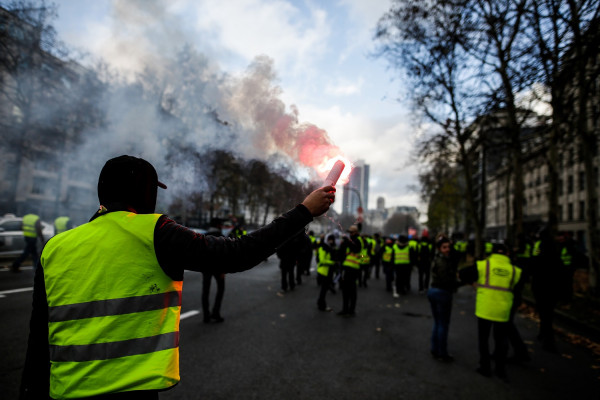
(32, 232)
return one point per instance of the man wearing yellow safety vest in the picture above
(403, 254)
(424, 257)
(351, 249)
(32, 232)
(107, 294)
(387, 261)
(62, 224)
(495, 279)
(325, 269)
(365, 259)
(376, 251)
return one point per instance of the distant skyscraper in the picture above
(358, 185)
(380, 203)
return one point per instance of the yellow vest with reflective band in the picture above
(325, 261)
(497, 278)
(60, 225)
(365, 258)
(29, 222)
(113, 314)
(387, 254)
(401, 256)
(566, 257)
(352, 260)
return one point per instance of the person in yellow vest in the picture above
(402, 266)
(62, 224)
(325, 269)
(495, 279)
(351, 249)
(32, 232)
(387, 261)
(107, 294)
(365, 259)
(424, 256)
(376, 251)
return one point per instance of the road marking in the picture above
(5, 292)
(189, 314)
(6, 268)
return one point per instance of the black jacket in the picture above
(177, 249)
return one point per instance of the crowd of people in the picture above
(443, 265)
(107, 294)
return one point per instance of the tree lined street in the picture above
(275, 346)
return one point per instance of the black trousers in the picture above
(349, 278)
(484, 327)
(30, 249)
(206, 281)
(325, 286)
(424, 273)
(287, 274)
(402, 272)
(388, 270)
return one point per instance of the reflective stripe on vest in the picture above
(401, 256)
(495, 282)
(325, 262)
(29, 222)
(113, 314)
(387, 254)
(352, 261)
(60, 225)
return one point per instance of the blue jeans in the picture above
(441, 308)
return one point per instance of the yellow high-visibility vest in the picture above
(325, 261)
(113, 314)
(388, 251)
(401, 256)
(60, 224)
(29, 222)
(496, 280)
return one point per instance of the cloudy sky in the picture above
(321, 52)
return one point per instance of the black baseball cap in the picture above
(129, 181)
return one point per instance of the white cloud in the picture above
(276, 28)
(344, 88)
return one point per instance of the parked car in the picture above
(11, 235)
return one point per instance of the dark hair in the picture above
(441, 241)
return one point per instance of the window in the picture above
(570, 212)
(560, 213)
(560, 187)
(582, 210)
(581, 180)
(570, 184)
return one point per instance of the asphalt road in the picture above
(274, 346)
